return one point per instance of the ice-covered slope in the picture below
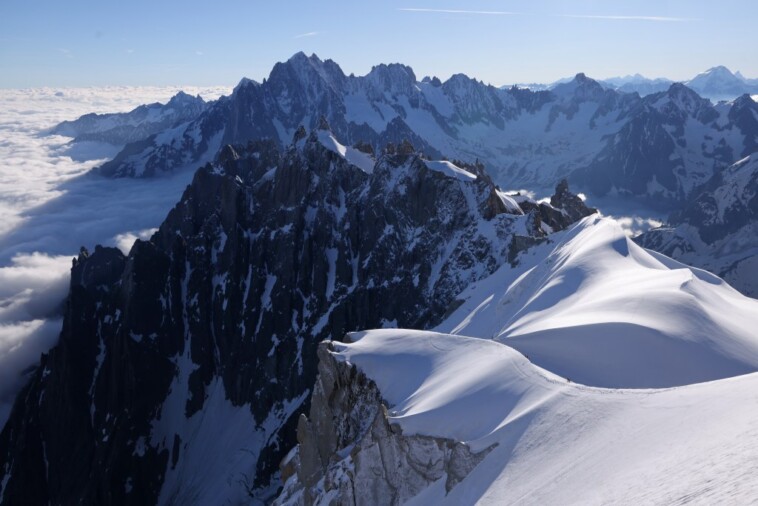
(555, 442)
(594, 307)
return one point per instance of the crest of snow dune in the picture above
(598, 309)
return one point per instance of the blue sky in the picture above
(90, 43)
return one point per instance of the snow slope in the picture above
(559, 442)
(594, 307)
(551, 386)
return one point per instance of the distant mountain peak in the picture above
(244, 83)
(581, 88)
(684, 97)
(719, 69)
(392, 77)
(182, 99)
(301, 65)
(719, 83)
(301, 57)
(744, 100)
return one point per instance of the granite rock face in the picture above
(348, 452)
(183, 367)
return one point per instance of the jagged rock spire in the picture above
(323, 124)
(572, 204)
(300, 133)
(405, 148)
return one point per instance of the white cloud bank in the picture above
(50, 207)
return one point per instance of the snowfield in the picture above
(552, 364)
(560, 442)
(594, 307)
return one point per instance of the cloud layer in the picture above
(51, 206)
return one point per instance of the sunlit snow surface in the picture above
(594, 307)
(560, 442)
(588, 310)
(50, 208)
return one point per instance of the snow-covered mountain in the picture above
(531, 391)
(718, 229)
(550, 351)
(135, 125)
(182, 368)
(672, 143)
(719, 83)
(637, 84)
(659, 146)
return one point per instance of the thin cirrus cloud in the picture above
(575, 16)
(456, 11)
(306, 34)
(664, 19)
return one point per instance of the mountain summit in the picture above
(523, 138)
(183, 367)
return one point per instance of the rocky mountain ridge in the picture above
(717, 228)
(125, 128)
(660, 146)
(716, 84)
(182, 368)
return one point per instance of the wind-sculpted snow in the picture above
(504, 404)
(550, 441)
(594, 307)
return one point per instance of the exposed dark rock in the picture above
(214, 321)
(570, 203)
(348, 450)
(565, 208)
(661, 146)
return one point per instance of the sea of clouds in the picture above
(50, 206)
